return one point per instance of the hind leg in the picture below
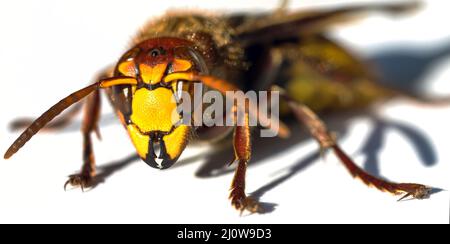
(327, 141)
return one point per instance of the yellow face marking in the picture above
(177, 140)
(180, 65)
(152, 109)
(127, 68)
(152, 75)
(140, 141)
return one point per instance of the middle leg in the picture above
(242, 153)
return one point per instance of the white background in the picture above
(51, 48)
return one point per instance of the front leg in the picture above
(242, 153)
(86, 176)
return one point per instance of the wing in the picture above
(282, 24)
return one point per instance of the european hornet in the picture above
(282, 51)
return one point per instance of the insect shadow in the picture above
(406, 67)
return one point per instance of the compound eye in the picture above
(130, 55)
(195, 58)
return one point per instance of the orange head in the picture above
(162, 68)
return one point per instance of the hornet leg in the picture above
(90, 124)
(327, 141)
(242, 153)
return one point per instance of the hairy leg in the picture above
(90, 124)
(326, 140)
(242, 153)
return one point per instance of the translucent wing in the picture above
(283, 24)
